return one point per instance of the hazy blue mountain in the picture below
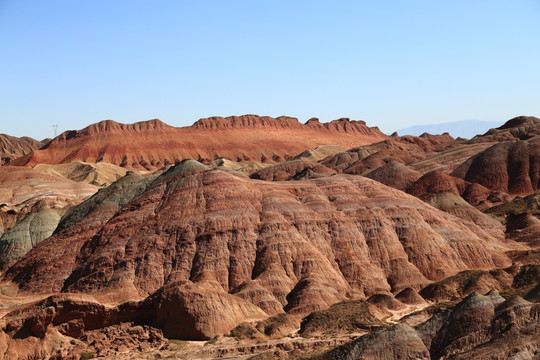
(465, 129)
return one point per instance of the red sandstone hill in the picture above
(213, 243)
(511, 166)
(403, 149)
(152, 144)
(12, 147)
(518, 128)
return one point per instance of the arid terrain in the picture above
(254, 237)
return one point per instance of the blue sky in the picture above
(393, 64)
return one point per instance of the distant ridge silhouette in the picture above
(465, 128)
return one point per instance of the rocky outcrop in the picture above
(25, 191)
(100, 174)
(435, 182)
(12, 147)
(149, 145)
(250, 246)
(34, 228)
(410, 297)
(319, 153)
(395, 174)
(512, 167)
(288, 169)
(23, 187)
(190, 311)
(479, 327)
(76, 227)
(405, 150)
(396, 342)
(466, 282)
(344, 317)
(518, 128)
(49, 329)
(454, 204)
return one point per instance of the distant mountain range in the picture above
(465, 128)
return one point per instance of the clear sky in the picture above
(391, 63)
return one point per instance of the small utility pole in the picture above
(55, 127)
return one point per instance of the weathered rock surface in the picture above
(436, 182)
(248, 247)
(24, 187)
(34, 228)
(511, 167)
(396, 342)
(319, 153)
(228, 230)
(395, 174)
(12, 147)
(454, 204)
(48, 329)
(479, 327)
(487, 327)
(359, 160)
(100, 174)
(518, 128)
(458, 286)
(194, 312)
(344, 317)
(50, 263)
(289, 169)
(25, 191)
(152, 144)
(410, 297)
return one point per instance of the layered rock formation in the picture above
(479, 327)
(25, 191)
(12, 147)
(34, 228)
(271, 246)
(192, 252)
(518, 128)
(100, 174)
(288, 169)
(512, 167)
(152, 144)
(77, 227)
(24, 187)
(395, 174)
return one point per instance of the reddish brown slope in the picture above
(404, 149)
(151, 144)
(511, 166)
(294, 246)
(12, 147)
(518, 128)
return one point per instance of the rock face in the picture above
(152, 144)
(397, 342)
(100, 174)
(405, 150)
(455, 205)
(250, 246)
(344, 317)
(76, 227)
(24, 191)
(12, 147)
(190, 311)
(288, 169)
(24, 187)
(395, 174)
(479, 327)
(34, 228)
(518, 128)
(511, 167)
